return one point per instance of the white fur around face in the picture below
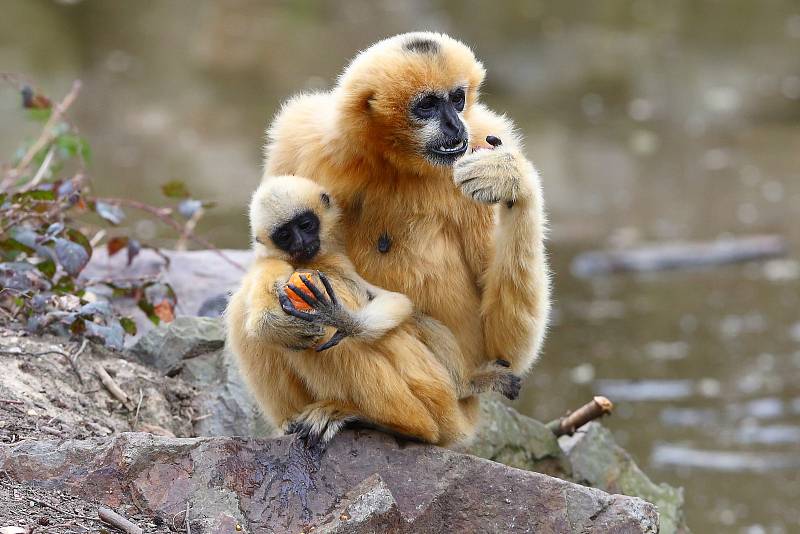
(277, 200)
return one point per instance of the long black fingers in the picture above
(303, 295)
(332, 342)
(288, 307)
(328, 288)
(314, 289)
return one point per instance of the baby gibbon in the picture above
(359, 352)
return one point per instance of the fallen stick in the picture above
(590, 411)
(115, 520)
(112, 386)
(11, 401)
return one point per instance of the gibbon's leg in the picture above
(321, 421)
(493, 376)
(384, 384)
(515, 299)
(275, 386)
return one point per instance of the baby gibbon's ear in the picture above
(326, 200)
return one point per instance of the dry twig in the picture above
(114, 519)
(567, 425)
(112, 386)
(165, 216)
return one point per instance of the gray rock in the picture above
(168, 346)
(598, 461)
(365, 482)
(508, 437)
(224, 402)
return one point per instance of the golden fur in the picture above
(479, 269)
(391, 373)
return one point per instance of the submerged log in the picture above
(679, 255)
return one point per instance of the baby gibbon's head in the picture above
(409, 96)
(292, 218)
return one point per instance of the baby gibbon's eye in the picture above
(457, 98)
(283, 236)
(308, 225)
(426, 107)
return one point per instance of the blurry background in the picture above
(649, 121)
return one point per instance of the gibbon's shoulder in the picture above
(301, 115)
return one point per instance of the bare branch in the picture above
(45, 137)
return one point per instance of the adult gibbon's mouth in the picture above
(455, 147)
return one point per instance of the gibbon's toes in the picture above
(332, 342)
(510, 386)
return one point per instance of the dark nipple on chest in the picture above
(384, 243)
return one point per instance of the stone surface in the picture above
(192, 349)
(168, 346)
(365, 482)
(51, 397)
(599, 462)
(505, 436)
(508, 437)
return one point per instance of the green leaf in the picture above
(128, 325)
(34, 194)
(175, 189)
(48, 267)
(148, 310)
(10, 245)
(65, 284)
(39, 115)
(73, 146)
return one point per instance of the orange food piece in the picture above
(298, 280)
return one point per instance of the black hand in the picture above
(288, 306)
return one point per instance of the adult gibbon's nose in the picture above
(451, 124)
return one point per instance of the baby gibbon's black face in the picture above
(445, 136)
(299, 237)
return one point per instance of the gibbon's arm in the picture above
(384, 311)
(515, 300)
(264, 319)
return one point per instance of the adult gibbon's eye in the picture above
(308, 225)
(426, 107)
(283, 236)
(457, 98)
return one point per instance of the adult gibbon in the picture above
(428, 212)
(353, 352)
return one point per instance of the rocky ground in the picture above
(147, 432)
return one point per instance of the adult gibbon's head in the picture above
(409, 97)
(292, 218)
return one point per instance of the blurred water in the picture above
(649, 121)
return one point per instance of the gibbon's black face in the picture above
(445, 136)
(299, 236)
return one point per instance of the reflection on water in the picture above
(649, 121)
